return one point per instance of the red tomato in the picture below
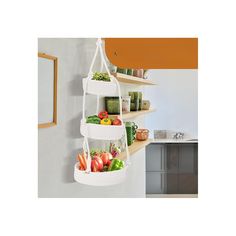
(96, 164)
(116, 122)
(108, 163)
(105, 156)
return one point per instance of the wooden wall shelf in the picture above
(123, 78)
(136, 146)
(134, 114)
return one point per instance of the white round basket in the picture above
(100, 178)
(100, 87)
(101, 132)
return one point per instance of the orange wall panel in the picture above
(153, 53)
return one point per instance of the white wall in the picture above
(176, 101)
(58, 146)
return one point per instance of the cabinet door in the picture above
(172, 183)
(187, 184)
(155, 157)
(155, 182)
(187, 158)
(172, 157)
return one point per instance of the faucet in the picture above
(178, 135)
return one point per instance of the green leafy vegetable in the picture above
(93, 119)
(101, 76)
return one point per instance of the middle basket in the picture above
(101, 132)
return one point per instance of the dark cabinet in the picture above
(187, 184)
(171, 183)
(186, 158)
(172, 157)
(172, 168)
(155, 182)
(155, 158)
(155, 169)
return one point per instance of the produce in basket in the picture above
(101, 160)
(101, 77)
(105, 121)
(106, 156)
(93, 119)
(97, 164)
(116, 164)
(114, 150)
(116, 122)
(82, 160)
(103, 114)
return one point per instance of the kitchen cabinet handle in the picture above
(161, 182)
(161, 160)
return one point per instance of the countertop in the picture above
(174, 141)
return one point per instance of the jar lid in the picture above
(142, 130)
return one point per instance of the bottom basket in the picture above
(100, 178)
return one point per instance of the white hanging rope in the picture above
(88, 162)
(98, 97)
(93, 61)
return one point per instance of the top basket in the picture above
(108, 88)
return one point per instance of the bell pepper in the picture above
(93, 119)
(116, 164)
(105, 121)
(103, 114)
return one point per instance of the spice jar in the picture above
(138, 73)
(140, 100)
(126, 103)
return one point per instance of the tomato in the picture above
(105, 156)
(116, 122)
(96, 164)
(108, 163)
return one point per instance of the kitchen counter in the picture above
(174, 141)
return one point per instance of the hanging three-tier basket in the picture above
(101, 132)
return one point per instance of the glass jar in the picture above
(134, 101)
(126, 103)
(142, 134)
(138, 73)
(121, 70)
(129, 72)
(140, 101)
(112, 105)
